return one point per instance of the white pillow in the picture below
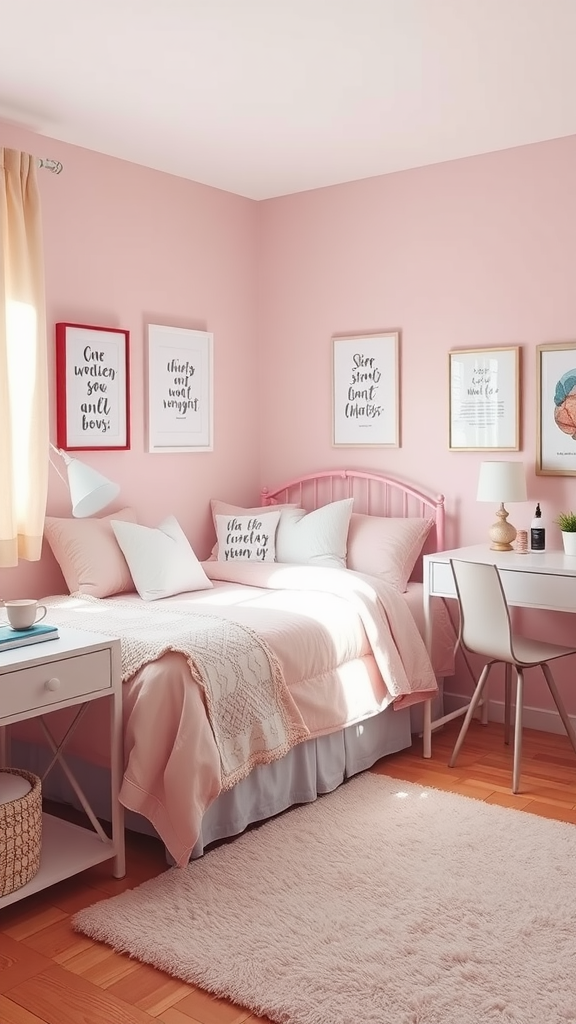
(161, 560)
(247, 538)
(315, 538)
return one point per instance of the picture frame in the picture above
(366, 390)
(92, 387)
(484, 399)
(556, 409)
(180, 390)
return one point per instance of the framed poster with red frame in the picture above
(92, 387)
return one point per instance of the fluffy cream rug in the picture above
(382, 903)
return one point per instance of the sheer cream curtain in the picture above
(24, 426)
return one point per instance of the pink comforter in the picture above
(348, 647)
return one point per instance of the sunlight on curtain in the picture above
(23, 362)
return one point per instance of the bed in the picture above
(330, 677)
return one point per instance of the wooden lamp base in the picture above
(502, 534)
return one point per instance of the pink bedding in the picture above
(348, 647)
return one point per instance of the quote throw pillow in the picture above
(88, 554)
(386, 547)
(315, 538)
(161, 559)
(248, 538)
(224, 508)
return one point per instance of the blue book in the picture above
(10, 638)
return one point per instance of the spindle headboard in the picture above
(373, 493)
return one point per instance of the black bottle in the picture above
(537, 532)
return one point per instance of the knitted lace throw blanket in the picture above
(251, 712)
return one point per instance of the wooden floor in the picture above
(50, 974)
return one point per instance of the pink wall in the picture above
(476, 252)
(126, 246)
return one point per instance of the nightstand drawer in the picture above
(59, 680)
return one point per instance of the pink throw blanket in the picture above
(252, 714)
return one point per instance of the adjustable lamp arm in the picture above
(64, 456)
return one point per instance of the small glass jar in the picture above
(521, 545)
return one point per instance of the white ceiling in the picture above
(269, 97)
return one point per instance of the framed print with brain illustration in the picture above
(556, 402)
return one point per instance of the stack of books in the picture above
(10, 638)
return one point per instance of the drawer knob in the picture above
(53, 683)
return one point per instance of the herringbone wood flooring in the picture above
(51, 975)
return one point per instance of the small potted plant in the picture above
(567, 523)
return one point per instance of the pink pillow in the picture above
(89, 555)
(223, 508)
(386, 547)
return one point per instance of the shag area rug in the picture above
(382, 903)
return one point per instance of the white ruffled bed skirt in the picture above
(314, 767)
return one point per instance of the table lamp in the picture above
(90, 492)
(501, 481)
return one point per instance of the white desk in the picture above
(538, 579)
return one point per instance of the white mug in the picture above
(24, 612)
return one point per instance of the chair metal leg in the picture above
(507, 701)
(484, 708)
(559, 703)
(518, 730)
(476, 696)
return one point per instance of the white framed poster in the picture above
(365, 391)
(92, 387)
(556, 408)
(180, 390)
(484, 399)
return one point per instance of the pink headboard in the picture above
(373, 494)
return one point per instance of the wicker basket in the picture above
(20, 835)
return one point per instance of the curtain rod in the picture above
(51, 165)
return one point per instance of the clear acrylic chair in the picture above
(486, 630)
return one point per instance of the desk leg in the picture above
(427, 722)
(427, 730)
(517, 757)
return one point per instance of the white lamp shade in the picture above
(502, 481)
(90, 492)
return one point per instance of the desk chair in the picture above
(486, 629)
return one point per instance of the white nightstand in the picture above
(75, 669)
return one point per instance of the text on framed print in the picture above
(92, 387)
(180, 390)
(484, 399)
(365, 390)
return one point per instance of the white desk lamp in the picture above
(502, 481)
(90, 492)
